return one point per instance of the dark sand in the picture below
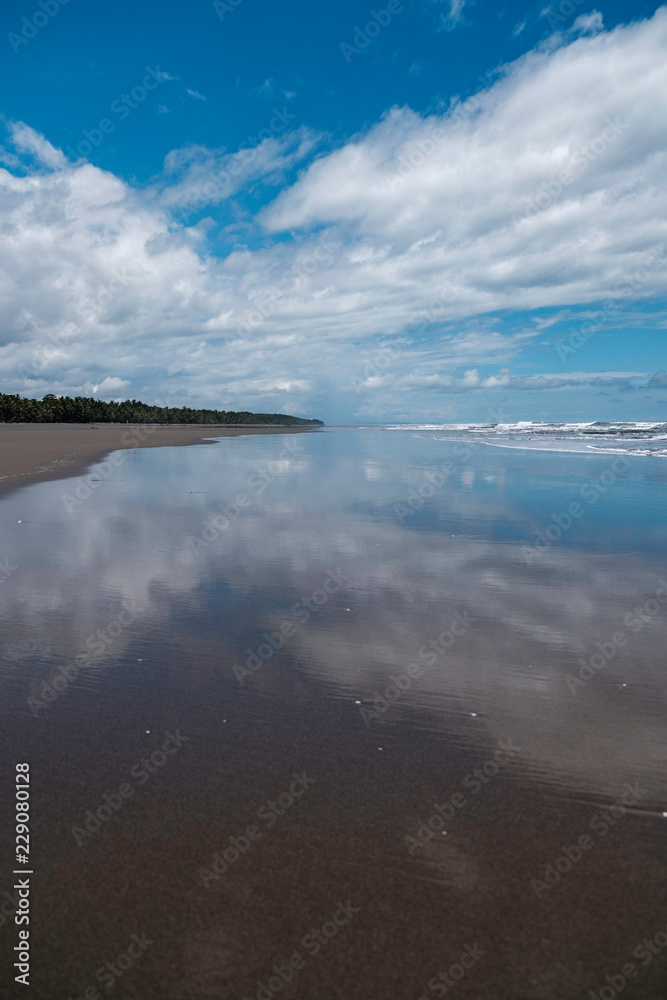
(32, 453)
(147, 869)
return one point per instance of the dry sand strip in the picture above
(31, 453)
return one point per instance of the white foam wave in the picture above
(619, 437)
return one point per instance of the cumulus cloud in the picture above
(27, 140)
(110, 385)
(482, 180)
(545, 192)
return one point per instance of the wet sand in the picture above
(33, 453)
(412, 866)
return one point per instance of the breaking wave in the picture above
(621, 437)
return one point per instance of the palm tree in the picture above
(15, 409)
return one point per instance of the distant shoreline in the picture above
(37, 452)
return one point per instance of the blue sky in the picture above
(431, 210)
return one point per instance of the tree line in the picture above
(81, 409)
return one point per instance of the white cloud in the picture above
(588, 24)
(9, 159)
(411, 231)
(27, 140)
(376, 391)
(464, 179)
(454, 16)
(111, 384)
(196, 175)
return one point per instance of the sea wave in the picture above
(631, 437)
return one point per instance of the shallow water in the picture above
(382, 613)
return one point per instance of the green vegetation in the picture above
(81, 409)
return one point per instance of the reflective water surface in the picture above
(352, 713)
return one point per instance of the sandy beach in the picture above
(31, 453)
(376, 746)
